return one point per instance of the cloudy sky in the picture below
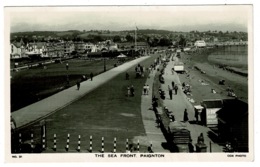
(174, 18)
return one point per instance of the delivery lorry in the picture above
(178, 67)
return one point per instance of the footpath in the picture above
(41, 109)
(153, 132)
(179, 103)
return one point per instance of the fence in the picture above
(36, 144)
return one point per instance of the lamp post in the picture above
(105, 69)
(105, 64)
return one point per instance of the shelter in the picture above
(208, 115)
(122, 56)
(233, 123)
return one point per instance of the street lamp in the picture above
(105, 58)
(105, 64)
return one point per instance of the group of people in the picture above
(231, 92)
(130, 91)
(139, 70)
(146, 89)
(170, 89)
(186, 88)
(83, 78)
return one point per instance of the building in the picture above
(51, 50)
(113, 46)
(17, 50)
(143, 47)
(68, 47)
(233, 123)
(80, 47)
(200, 44)
(209, 113)
(90, 47)
(57, 49)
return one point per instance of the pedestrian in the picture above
(67, 66)
(172, 71)
(126, 76)
(176, 89)
(197, 115)
(172, 118)
(149, 72)
(128, 91)
(147, 89)
(144, 90)
(183, 84)
(200, 139)
(132, 90)
(170, 93)
(78, 85)
(155, 103)
(172, 84)
(91, 76)
(67, 81)
(142, 71)
(83, 78)
(185, 116)
(213, 91)
(13, 125)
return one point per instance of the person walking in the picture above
(132, 90)
(185, 116)
(172, 71)
(128, 91)
(200, 139)
(78, 85)
(126, 76)
(173, 84)
(147, 89)
(67, 66)
(176, 89)
(91, 76)
(144, 90)
(170, 93)
(154, 103)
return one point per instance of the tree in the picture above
(117, 38)
(165, 42)
(182, 41)
(129, 38)
(154, 42)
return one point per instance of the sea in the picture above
(234, 56)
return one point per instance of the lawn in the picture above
(29, 86)
(105, 112)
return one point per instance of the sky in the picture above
(115, 18)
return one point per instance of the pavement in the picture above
(42, 109)
(179, 103)
(154, 134)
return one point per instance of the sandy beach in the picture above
(202, 83)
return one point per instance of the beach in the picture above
(206, 76)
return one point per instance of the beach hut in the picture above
(209, 112)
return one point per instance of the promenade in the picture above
(154, 137)
(179, 103)
(153, 133)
